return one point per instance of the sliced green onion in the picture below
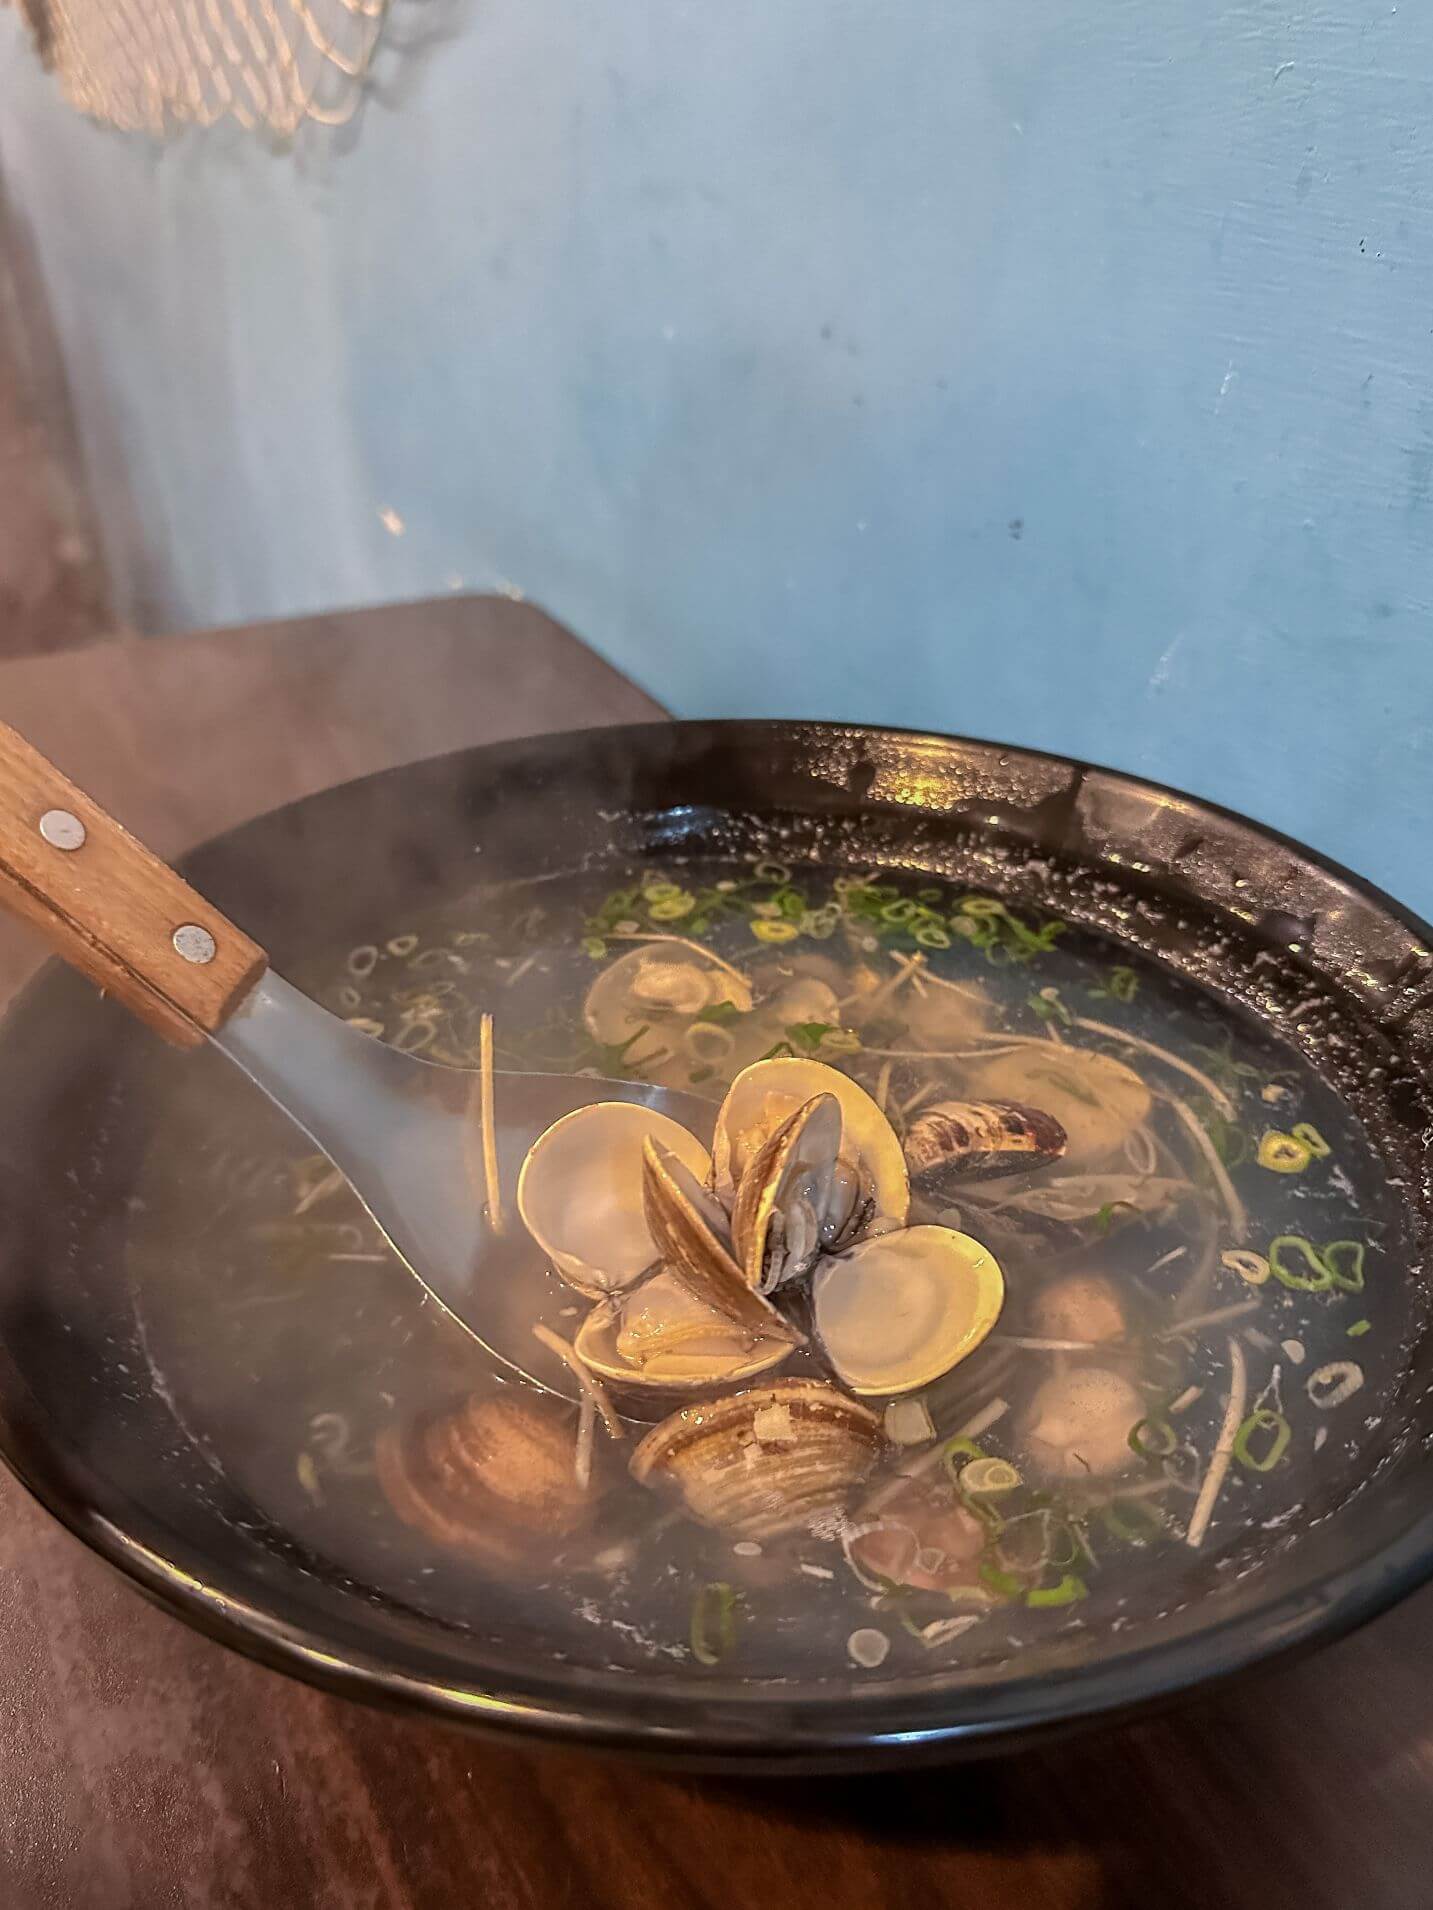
(1135, 1521)
(1358, 1329)
(1344, 1260)
(1068, 1592)
(954, 1449)
(930, 935)
(1000, 1581)
(713, 1623)
(1159, 1448)
(767, 930)
(594, 946)
(1263, 1419)
(1123, 984)
(1312, 1140)
(992, 1476)
(1331, 1385)
(1320, 1277)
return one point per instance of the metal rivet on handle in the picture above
(195, 944)
(62, 830)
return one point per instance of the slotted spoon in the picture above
(408, 1134)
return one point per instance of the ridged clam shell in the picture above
(763, 1462)
(492, 1477)
(688, 1229)
(957, 1140)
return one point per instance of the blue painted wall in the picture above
(1058, 372)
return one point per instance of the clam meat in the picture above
(658, 1335)
(871, 1188)
(780, 1458)
(645, 1005)
(790, 1198)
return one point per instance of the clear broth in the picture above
(287, 1337)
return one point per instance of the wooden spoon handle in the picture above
(113, 910)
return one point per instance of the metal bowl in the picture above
(1324, 959)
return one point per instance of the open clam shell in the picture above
(647, 1001)
(769, 1092)
(660, 1338)
(786, 1195)
(689, 1229)
(961, 1140)
(900, 1310)
(775, 1459)
(579, 1192)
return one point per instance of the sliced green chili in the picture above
(1306, 1132)
(1263, 1419)
(1344, 1260)
(1318, 1280)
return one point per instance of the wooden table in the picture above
(142, 1766)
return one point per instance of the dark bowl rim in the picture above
(754, 1728)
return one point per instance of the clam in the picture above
(494, 1478)
(645, 1002)
(901, 1309)
(660, 1336)
(1097, 1100)
(763, 1096)
(690, 1231)
(959, 1140)
(790, 1196)
(777, 1459)
(579, 1191)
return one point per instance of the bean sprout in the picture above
(583, 1374)
(1233, 1206)
(1224, 1448)
(491, 1180)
